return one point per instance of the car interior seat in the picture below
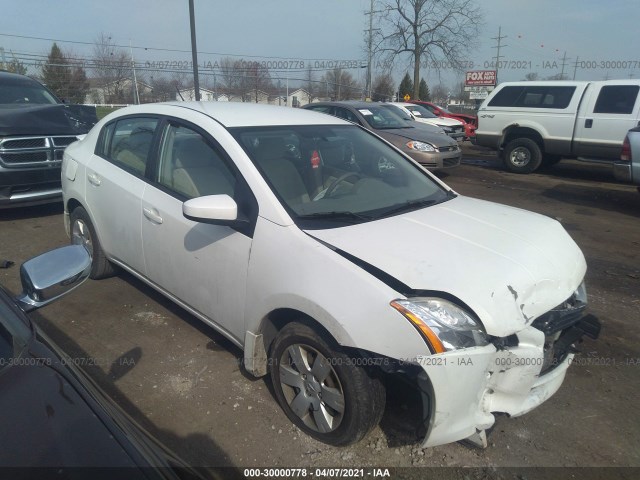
(270, 154)
(199, 171)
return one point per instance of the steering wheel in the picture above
(329, 191)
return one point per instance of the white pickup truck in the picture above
(538, 123)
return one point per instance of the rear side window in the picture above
(128, 142)
(617, 99)
(534, 97)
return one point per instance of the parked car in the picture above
(35, 128)
(452, 127)
(470, 121)
(54, 416)
(536, 123)
(628, 168)
(425, 144)
(333, 260)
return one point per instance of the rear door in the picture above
(608, 111)
(116, 183)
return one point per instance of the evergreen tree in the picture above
(56, 74)
(423, 91)
(406, 86)
(79, 85)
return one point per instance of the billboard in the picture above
(481, 78)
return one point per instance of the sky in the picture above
(293, 34)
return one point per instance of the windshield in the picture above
(384, 117)
(420, 111)
(31, 94)
(327, 175)
(399, 111)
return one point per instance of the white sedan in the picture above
(333, 260)
(452, 127)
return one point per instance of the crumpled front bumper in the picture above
(466, 387)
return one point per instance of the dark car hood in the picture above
(58, 119)
(417, 133)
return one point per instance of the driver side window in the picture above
(191, 167)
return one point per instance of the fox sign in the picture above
(480, 78)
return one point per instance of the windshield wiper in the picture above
(411, 205)
(345, 215)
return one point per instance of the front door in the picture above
(202, 265)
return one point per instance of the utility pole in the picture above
(136, 94)
(370, 31)
(575, 68)
(564, 64)
(499, 39)
(194, 51)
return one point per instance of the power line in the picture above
(156, 49)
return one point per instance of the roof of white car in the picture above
(403, 104)
(235, 114)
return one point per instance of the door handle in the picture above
(94, 179)
(588, 123)
(152, 214)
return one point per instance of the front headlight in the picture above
(443, 325)
(420, 146)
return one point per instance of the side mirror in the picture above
(53, 274)
(216, 209)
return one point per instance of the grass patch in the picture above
(102, 112)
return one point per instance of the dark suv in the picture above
(35, 128)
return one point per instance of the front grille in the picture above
(449, 148)
(25, 143)
(63, 141)
(450, 162)
(24, 157)
(33, 151)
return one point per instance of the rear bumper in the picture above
(29, 186)
(467, 387)
(624, 172)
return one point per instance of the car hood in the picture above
(508, 265)
(416, 133)
(58, 119)
(447, 122)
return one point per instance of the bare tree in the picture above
(245, 78)
(531, 76)
(430, 31)
(311, 87)
(112, 66)
(439, 94)
(341, 85)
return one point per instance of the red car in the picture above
(470, 121)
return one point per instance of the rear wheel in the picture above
(83, 233)
(522, 155)
(326, 393)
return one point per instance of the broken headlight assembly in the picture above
(444, 325)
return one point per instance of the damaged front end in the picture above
(510, 375)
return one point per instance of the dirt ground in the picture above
(183, 382)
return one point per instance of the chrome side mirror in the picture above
(53, 274)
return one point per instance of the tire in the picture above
(83, 233)
(310, 374)
(522, 155)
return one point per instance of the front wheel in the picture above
(327, 394)
(522, 155)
